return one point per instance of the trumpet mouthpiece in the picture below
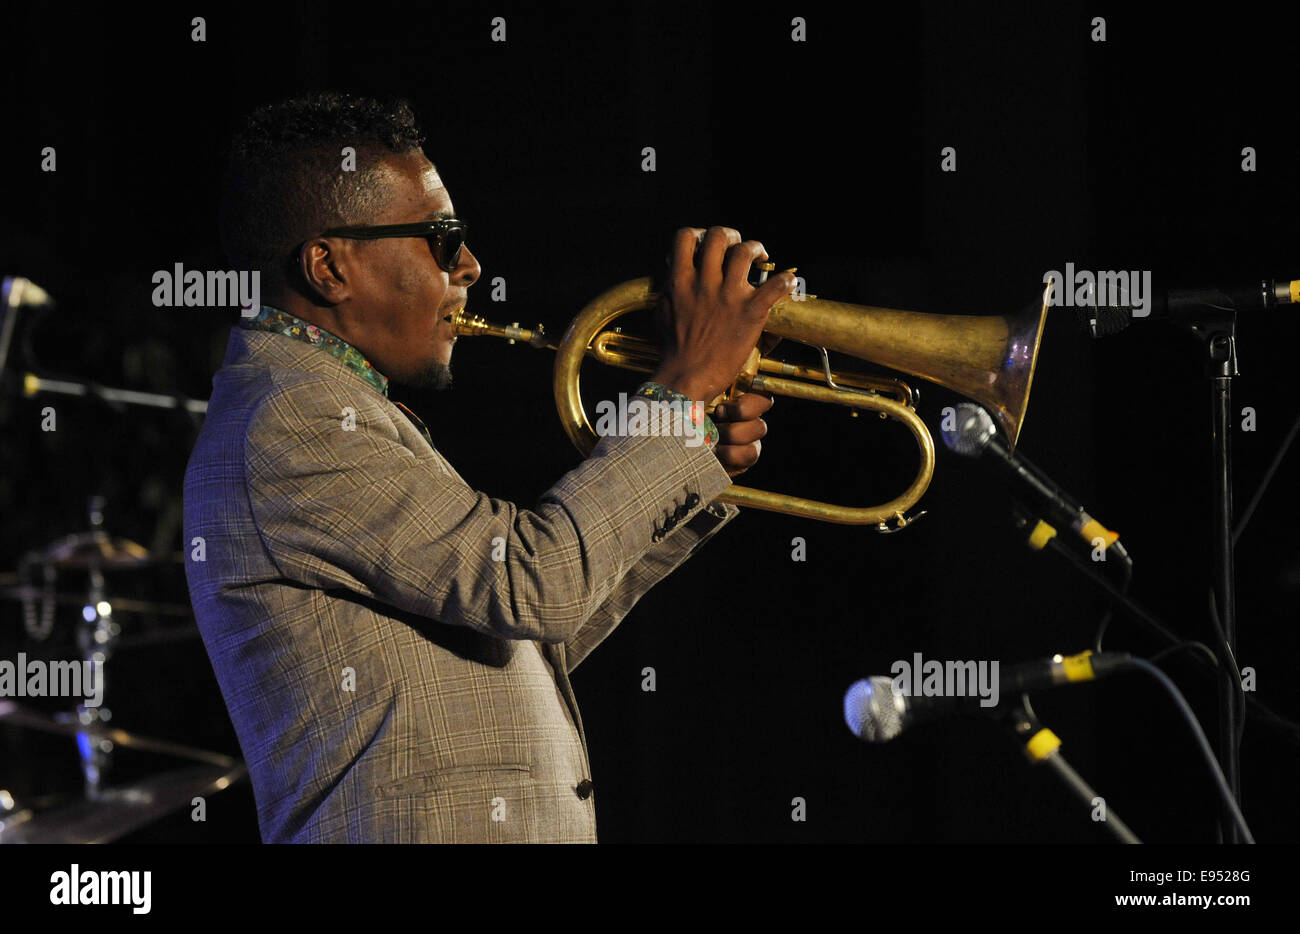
(466, 325)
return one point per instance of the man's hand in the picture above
(740, 430)
(712, 316)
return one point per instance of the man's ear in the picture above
(325, 269)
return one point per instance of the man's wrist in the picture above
(681, 384)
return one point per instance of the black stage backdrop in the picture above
(1122, 154)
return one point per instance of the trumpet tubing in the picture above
(989, 359)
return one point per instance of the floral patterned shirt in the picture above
(281, 322)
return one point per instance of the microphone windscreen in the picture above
(1103, 320)
(870, 711)
(973, 431)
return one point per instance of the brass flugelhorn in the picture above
(989, 359)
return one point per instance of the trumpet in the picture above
(989, 359)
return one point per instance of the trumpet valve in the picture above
(746, 379)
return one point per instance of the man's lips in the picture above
(447, 320)
(459, 305)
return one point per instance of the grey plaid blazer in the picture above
(394, 648)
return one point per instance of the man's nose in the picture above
(468, 270)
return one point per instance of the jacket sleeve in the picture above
(342, 503)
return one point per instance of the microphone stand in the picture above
(33, 384)
(1043, 747)
(1211, 316)
(1220, 338)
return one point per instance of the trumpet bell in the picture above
(990, 359)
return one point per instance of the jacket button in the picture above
(584, 789)
(658, 536)
(669, 523)
(692, 501)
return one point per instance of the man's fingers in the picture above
(686, 242)
(773, 290)
(740, 259)
(716, 241)
(744, 407)
(742, 432)
(738, 456)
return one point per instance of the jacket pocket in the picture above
(427, 782)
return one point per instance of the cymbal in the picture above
(67, 724)
(119, 811)
(99, 550)
(119, 604)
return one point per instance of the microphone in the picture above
(976, 435)
(876, 712)
(17, 292)
(1188, 306)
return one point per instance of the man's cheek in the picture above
(412, 278)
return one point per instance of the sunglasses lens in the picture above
(451, 242)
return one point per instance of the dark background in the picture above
(1117, 155)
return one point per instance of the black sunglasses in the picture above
(446, 237)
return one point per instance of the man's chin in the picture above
(434, 376)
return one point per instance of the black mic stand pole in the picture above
(1219, 335)
(1043, 747)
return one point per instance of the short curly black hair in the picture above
(284, 180)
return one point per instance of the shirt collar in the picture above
(281, 322)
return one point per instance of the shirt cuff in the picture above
(691, 408)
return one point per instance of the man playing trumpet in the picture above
(389, 679)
